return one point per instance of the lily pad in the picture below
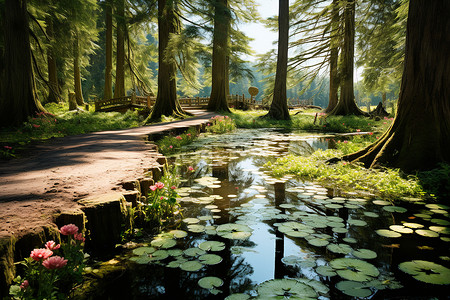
(144, 250)
(401, 229)
(426, 271)
(163, 243)
(396, 209)
(288, 288)
(354, 269)
(212, 246)
(210, 259)
(388, 233)
(364, 254)
(413, 225)
(234, 231)
(191, 266)
(238, 296)
(339, 248)
(325, 271)
(318, 242)
(349, 240)
(159, 255)
(357, 222)
(381, 202)
(196, 228)
(191, 220)
(371, 214)
(194, 251)
(179, 234)
(354, 289)
(295, 229)
(427, 233)
(440, 229)
(210, 282)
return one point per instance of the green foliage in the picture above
(347, 176)
(173, 143)
(221, 124)
(437, 181)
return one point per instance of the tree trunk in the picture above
(278, 109)
(53, 89)
(76, 72)
(119, 87)
(334, 55)
(218, 99)
(107, 94)
(166, 100)
(346, 104)
(419, 138)
(383, 99)
(18, 100)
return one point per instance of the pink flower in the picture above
(370, 133)
(68, 229)
(344, 163)
(24, 284)
(153, 187)
(79, 237)
(178, 137)
(55, 262)
(188, 134)
(190, 168)
(173, 187)
(161, 198)
(159, 185)
(7, 147)
(51, 245)
(345, 142)
(39, 254)
(358, 130)
(226, 117)
(36, 126)
(170, 146)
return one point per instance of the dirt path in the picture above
(57, 173)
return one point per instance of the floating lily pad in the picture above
(339, 248)
(212, 246)
(238, 296)
(326, 271)
(295, 229)
(333, 206)
(413, 225)
(396, 209)
(364, 254)
(426, 271)
(175, 252)
(191, 266)
(401, 229)
(354, 269)
(440, 229)
(163, 243)
(191, 220)
(234, 231)
(427, 233)
(339, 230)
(371, 214)
(354, 289)
(159, 255)
(287, 205)
(381, 202)
(194, 251)
(388, 233)
(349, 240)
(205, 218)
(291, 260)
(318, 242)
(144, 250)
(176, 263)
(179, 234)
(440, 222)
(357, 222)
(196, 228)
(437, 206)
(335, 219)
(288, 288)
(210, 259)
(210, 282)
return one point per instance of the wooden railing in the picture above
(133, 101)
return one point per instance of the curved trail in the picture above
(63, 170)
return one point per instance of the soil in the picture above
(61, 171)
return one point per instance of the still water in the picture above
(285, 238)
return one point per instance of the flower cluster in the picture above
(46, 267)
(221, 124)
(161, 202)
(170, 143)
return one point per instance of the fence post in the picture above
(149, 102)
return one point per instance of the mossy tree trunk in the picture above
(54, 92)
(119, 87)
(419, 138)
(166, 100)
(18, 98)
(334, 56)
(107, 93)
(346, 104)
(278, 109)
(218, 99)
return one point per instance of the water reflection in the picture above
(244, 193)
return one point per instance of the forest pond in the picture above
(246, 235)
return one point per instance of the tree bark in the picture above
(53, 89)
(278, 109)
(18, 100)
(77, 72)
(419, 138)
(119, 87)
(107, 94)
(166, 100)
(346, 104)
(334, 55)
(218, 99)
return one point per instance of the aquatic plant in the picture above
(50, 276)
(221, 124)
(171, 143)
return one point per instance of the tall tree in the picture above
(53, 85)
(347, 104)
(107, 94)
(279, 109)
(119, 87)
(18, 100)
(334, 56)
(419, 138)
(76, 70)
(218, 99)
(166, 100)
